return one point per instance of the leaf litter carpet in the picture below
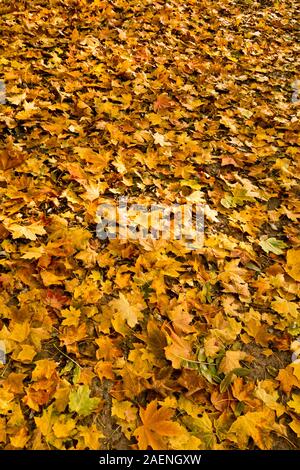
(110, 344)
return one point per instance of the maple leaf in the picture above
(239, 196)
(157, 425)
(293, 263)
(4, 233)
(45, 422)
(50, 278)
(17, 99)
(258, 425)
(204, 429)
(64, 427)
(34, 252)
(231, 361)
(90, 436)
(27, 353)
(10, 159)
(295, 403)
(244, 392)
(20, 439)
(29, 110)
(123, 410)
(128, 311)
(25, 231)
(159, 139)
(228, 122)
(44, 383)
(178, 351)
(45, 368)
(162, 102)
(71, 316)
(154, 318)
(3, 430)
(265, 392)
(295, 426)
(80, 401)
(285, 308)
(104, 370)
(288, 378)
(55, 298)
(93, 191)
(273, 245)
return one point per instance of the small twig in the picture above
(286, 438)
(5, 368)
(66, 355)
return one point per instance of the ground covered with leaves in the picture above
(145, 343)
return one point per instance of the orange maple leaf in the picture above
(156, 426)
(162, 102)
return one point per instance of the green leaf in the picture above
(191, 184)
(238, 198)
(76, 375)
(204, 429)
(273, 245)
(241, 371)
(80, 401)
(226, 382)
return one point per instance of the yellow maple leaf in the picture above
(45, 422)
(64, 427)
(73, 334)
(244, 392)
(15, 382)
(288, 378)
(2, 429)
(26, 354)
(104, 369)
(34, 253)
(6, 401)
(29, 110)
(231, 361)
(178, 349)
(90, 436)
(185, 441)
(266, 392)
(45, 368)
(296, 370)
(123, 410)
(258, 425)
(295, 426)
(50, 278)
(20, 332)
(159, 139)
(211, 346)
(128, 311)
(156, 426)
(204, 427)
(295, 403)
(285, 308)
(25, 231)
(61, 395)
(20, 439)
(71, 316)
(293, 263)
